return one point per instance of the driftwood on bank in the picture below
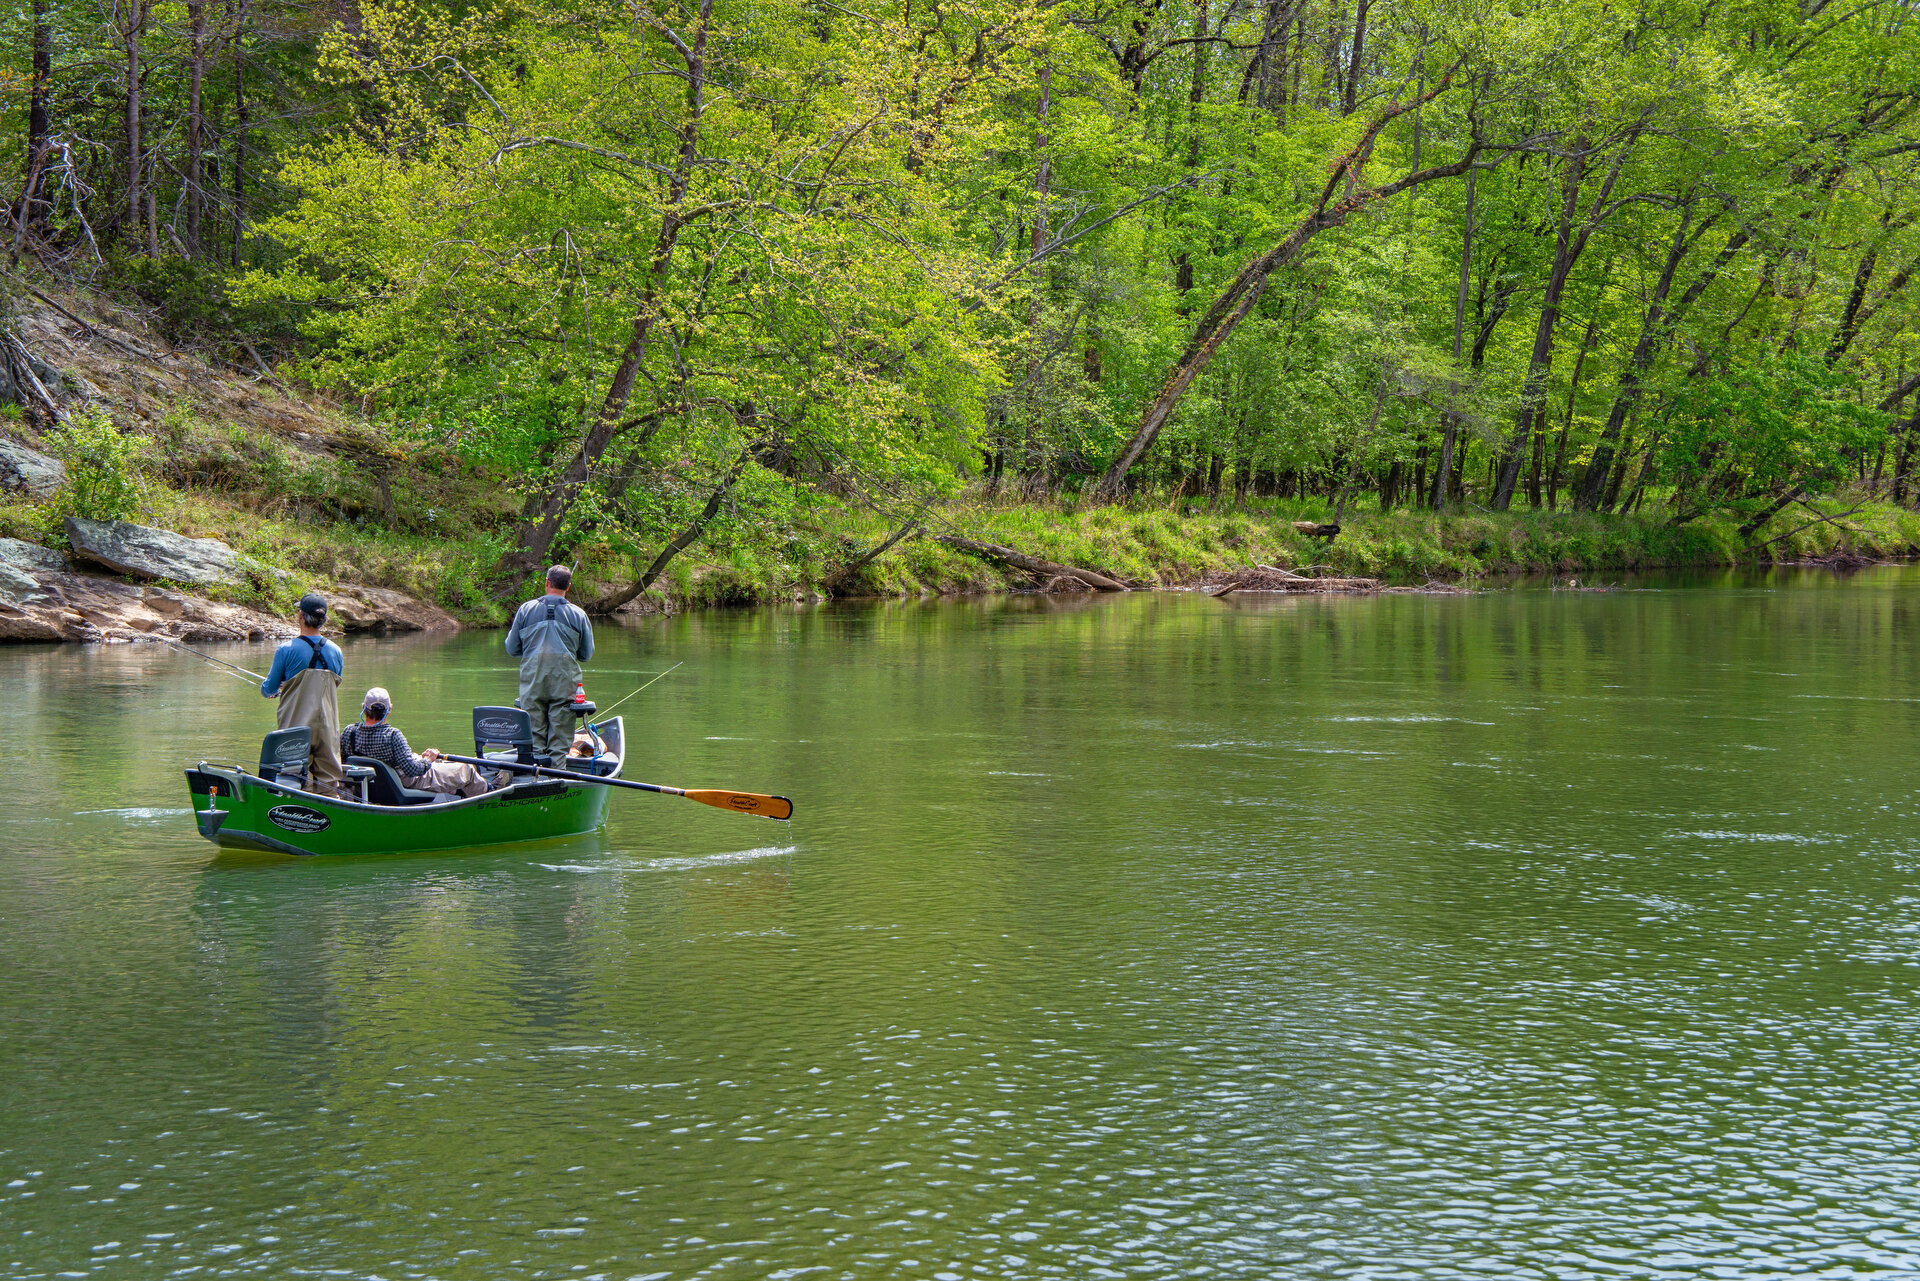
(1272, 578)
(1045, 569)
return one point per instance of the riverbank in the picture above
(1140, 547)
(307, 494)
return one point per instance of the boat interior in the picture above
(502, 734)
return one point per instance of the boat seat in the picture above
(503, 727)
(284, 755)
(385, 787)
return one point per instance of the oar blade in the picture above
(742, 802)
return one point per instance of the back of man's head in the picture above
(313, 609)
(560, 578)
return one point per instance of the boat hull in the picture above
(240, 811)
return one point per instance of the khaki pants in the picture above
(450, 776)
(312, 698)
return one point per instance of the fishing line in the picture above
(668, 672)
(233, 669)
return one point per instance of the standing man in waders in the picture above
(551, 637)
(305, 676)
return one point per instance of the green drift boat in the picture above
(267, 810)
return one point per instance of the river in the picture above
(1529, 933)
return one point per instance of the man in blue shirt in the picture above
(305, 677)
(551, 637)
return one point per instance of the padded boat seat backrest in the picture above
(503, 727)
(285, 751)
(385, 787)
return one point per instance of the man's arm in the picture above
(513, 633)
(275, 674)
(409, 765)
(586, 637)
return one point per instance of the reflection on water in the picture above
(1536, 934)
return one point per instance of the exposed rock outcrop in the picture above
(29, 556)
(381, 610)
(25, 468)
(42, 600)
(145, 552)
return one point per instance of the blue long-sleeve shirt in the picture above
(295, 656)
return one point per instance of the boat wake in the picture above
(135, 813)
(675, 864)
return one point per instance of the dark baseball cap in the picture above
(313, 605)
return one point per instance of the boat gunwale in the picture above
(237, 775)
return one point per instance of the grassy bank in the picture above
(1147, 545)
(345, 505)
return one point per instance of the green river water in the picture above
(1523, 934)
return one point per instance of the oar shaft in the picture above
(774, 807)
(517, 767)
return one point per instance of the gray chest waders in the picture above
(547, 678)
(312, 698)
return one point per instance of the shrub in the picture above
(103, 480)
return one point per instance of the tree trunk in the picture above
(1349, 91)
(1196, 93)
(1619, 475)
(1850, 318)
(697, 526)
(38, 116)
(537, 531)
(136, 21)
(1902, 475)
(196, 118)
(240, 134)
(832, 581)
(1587, 342)
(1537, 467)
(1237, 300)
(1566, 249)
(1449, 420)
(1031, 564)
(1330, 56)
(1654, 328)
(1043, 158)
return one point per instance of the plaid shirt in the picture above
(382, 743)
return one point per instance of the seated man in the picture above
(377, 740)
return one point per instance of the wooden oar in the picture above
(778, 807)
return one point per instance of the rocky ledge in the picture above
(145, 552)
(46, 597)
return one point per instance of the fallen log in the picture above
(1031, 564)
(1271, 578)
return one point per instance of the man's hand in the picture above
(431, 754)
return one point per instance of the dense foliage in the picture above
(669, 264)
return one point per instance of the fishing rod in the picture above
(668, 672)
(775, 807)
(232, 669)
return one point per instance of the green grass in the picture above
(361, 510)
